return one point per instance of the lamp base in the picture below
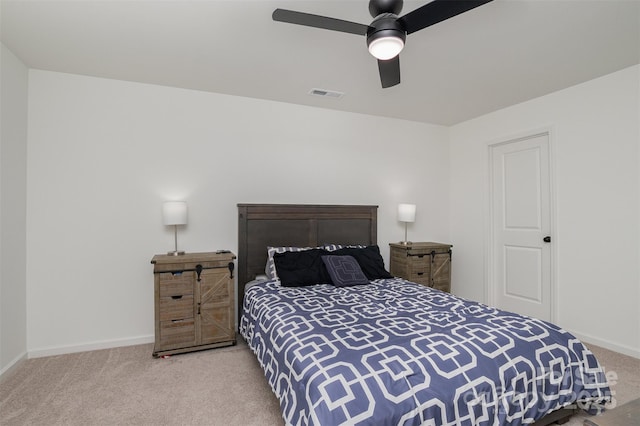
(405, 243)
(175, 253)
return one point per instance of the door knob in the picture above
(547, 239)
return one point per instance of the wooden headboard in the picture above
(297, 225)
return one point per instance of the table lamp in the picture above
(406, 214)
(174, 213)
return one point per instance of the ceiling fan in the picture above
(387, 32)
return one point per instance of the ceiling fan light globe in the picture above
(385, 48)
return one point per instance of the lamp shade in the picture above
(407, 212)
(174, 212)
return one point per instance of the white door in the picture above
(521, 258)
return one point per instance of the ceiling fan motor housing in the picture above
(377, 7)
(385, 25)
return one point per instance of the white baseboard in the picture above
(93, 346)
(612, 346)
(12, 365)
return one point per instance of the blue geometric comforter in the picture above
(394, 352)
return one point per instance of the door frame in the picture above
(490, 285)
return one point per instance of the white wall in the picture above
(104, 154)
(13, 188)
(595, 155)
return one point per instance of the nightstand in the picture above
(424, 263)
(194, 302)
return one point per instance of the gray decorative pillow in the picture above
(368, 258)
(344, 271)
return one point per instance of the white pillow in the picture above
(334, 247)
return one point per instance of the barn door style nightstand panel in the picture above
(428, 264)
(194, 302)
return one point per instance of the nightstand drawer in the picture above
(176, 307)
(422, 279)
(177, 284)
(419, 277)
(419, 257)
(420, 267)
(177, 333)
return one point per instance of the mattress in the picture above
(395, 352)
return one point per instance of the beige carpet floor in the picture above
(126, 386)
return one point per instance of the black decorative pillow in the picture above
(301, 268)
(369, 259)
(270, 268)
(344, 271)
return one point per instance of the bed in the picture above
(391, 351)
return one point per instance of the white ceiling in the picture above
(502, 53)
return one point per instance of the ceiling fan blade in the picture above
(389, 72)
(317, 21)
(437, 11)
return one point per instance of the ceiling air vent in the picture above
(326, 93)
